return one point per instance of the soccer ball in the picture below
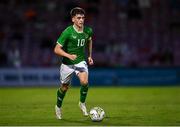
(97, 114)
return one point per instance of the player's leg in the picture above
(83, 77)
(82, 73)
(61, 92)
(60, 96)
(65, 77)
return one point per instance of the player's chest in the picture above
(78, 39)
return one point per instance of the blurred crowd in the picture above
(127, 33)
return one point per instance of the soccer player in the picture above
(71, 46)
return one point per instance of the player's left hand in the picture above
(90, 61)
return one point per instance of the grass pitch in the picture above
(123, 106)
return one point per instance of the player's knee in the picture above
(65, 87)
(84, 82)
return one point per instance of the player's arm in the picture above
(60, 52)
(90, 60)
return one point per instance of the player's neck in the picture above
(78, 29)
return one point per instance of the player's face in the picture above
(78, 20)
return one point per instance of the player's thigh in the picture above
(82, 72)
(83, 77)
(81, 67)
(66, 72)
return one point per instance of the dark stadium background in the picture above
(135, 35)
(136, 51)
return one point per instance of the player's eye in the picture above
(80, 18)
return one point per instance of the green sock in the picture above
(83, 93)
(60, 97)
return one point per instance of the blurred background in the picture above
(128, 35)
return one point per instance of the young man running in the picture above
(71, 46)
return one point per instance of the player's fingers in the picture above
(91, 62)
(74, 57)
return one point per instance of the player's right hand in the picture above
(72, 57)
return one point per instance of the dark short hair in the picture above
(77, 10)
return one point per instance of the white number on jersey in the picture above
(81, 42)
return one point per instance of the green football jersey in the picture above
(74, 42)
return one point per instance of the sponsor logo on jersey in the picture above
(73, 36)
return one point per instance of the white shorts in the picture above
(66, 71)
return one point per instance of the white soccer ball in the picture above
(97, 114)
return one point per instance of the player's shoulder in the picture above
(68, 29)
(88, 29)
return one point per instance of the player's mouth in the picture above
(80, 24)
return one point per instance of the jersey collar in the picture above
(77, 30)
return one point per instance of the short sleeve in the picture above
(90, 32)
(62, 38)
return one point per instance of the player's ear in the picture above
(73, 19)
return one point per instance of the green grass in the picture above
(123, 106)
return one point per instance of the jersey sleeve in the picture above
(90, 32)
(62, 38)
